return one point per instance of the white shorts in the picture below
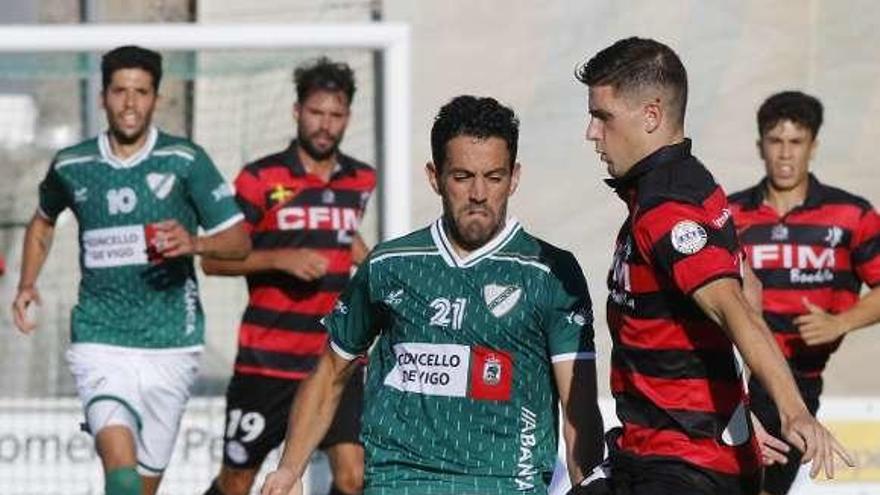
(144, 390)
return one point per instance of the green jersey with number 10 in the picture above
(129, 296)
(460, 394)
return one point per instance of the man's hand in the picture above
(281, 482)
(173, 240)
(816, 443)
(304, 264)
(819, 326)
(773, 450)
(25, 297)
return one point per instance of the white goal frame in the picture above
(392, 39)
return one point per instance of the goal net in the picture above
(229, 88)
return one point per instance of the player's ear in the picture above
(652, 116)
(759, 144)
(433, 176)
(514, 178)
(297, 110)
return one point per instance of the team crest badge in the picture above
(328, 197)
(779, 233)
(688, 237)
(500, 299)
(160, 184)
(492, 370)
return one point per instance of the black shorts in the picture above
(779, 478)
(637, 475)
(257, 409)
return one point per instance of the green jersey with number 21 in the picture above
(461, 396)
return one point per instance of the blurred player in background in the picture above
(302, 206)
(812, 246)
(482, 331)
(139, 196)
(676, 308)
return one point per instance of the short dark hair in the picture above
(477, 117)
(633, 64)
(323, 74)
(131, 57)
(798, 107)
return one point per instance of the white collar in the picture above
(447, 251)
(116, 162)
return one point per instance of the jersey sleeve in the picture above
(354, 322)
(866, 252)
(212, 197)
(249, 196)
(569, 313)
(53, 195)
(688, 245)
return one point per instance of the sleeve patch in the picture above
(688, 237)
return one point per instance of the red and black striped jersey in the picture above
(677, 385)
(823, 250)
(285, 207)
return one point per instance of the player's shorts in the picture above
(257, 410)
(144, 390)
(636, 475)
(779, 478)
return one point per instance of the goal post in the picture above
(392, 39)
(231, 85)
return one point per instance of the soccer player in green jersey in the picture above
(139, 195)
(479, 332)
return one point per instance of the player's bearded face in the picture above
(320, 122)
(475, 184)
(129, 101)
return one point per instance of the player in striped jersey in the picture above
(812, 246)
(675, 305)
(480, 331)
(139, 196)
(302, 208)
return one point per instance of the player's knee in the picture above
(233, 482)
(349, 481)
(123, 481)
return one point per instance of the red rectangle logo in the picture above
(491, 374)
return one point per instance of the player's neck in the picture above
(321, 168)
(783, 201)
(125, 150)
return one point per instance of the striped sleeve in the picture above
(866, 252)
(690, 245)
(249, 196)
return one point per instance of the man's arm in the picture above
(305, 264)
(582, 426)
(821, 327)
(174, 240)
(37, 243)
(724, 302)
(310, 418)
